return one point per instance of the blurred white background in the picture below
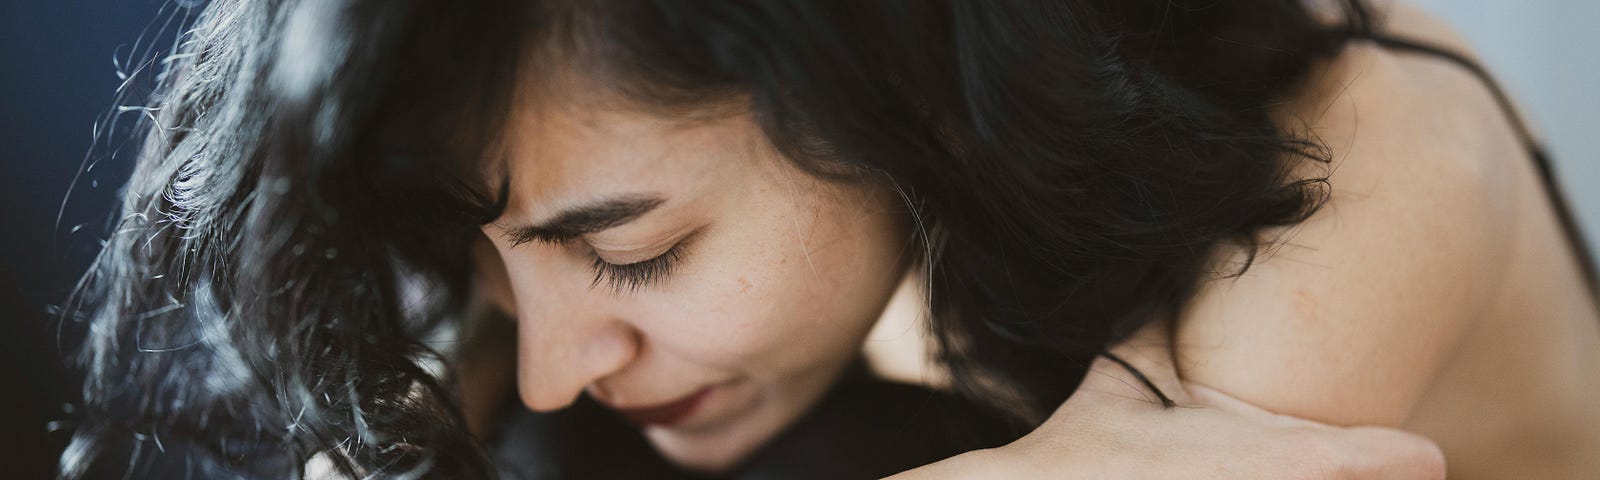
(1547, 54)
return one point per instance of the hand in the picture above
(1113, 427)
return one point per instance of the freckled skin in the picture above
(1306, 304)
(734, 314)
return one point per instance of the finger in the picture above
(1385, 453)
(1360, 452)
(1208, 397)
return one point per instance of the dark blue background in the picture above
(56, 78)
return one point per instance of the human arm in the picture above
(1112, 428)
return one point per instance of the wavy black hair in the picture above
(298, 219)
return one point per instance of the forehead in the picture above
(582, 145)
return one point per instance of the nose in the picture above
(568, 336)
(558, 357)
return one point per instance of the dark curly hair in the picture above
(297, 223)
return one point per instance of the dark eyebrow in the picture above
(582, 220)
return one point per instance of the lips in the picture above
(666, 414)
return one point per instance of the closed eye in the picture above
(626, 278)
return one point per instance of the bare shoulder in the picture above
(1409, 131)
(1422, 106)
(1411, 128)
(1349, 315)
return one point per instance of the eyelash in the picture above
(633, 276)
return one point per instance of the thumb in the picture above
(1366, 452)
(1212, 398)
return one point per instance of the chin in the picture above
(737, 420)
(703, 457)
(716, 448)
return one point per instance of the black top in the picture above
(864, 427)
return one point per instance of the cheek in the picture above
(782, 295)
(740, 313)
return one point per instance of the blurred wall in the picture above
(57, 76)
(1545, 53)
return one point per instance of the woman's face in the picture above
(683, 272)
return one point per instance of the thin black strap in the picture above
(1166, 402)
(1547, 173)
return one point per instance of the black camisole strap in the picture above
(1547, 174)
